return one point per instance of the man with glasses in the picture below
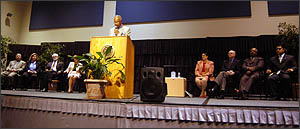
(230, 68)
(253, 68)
(281, 65)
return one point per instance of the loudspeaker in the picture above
(153, 87)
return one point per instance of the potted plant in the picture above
(98, 74)
(5, 41)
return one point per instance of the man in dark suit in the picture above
(230, 68)
(278, 70)
(253, 68)
(54, 70)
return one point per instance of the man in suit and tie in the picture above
(119, 29)
(279, 68)
(54, 70)
(253, 68)
(12, 70)
(230, 68)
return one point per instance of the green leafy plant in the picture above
(289, 35)
(97, 67)
(5, 41)
(48, 49)
(4, 44)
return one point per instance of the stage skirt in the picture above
(219, 114)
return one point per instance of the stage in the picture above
(24, 108)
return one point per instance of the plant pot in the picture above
(95, 88)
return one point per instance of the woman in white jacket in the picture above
(73, 73)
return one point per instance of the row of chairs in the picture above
(56, 84)
(259, 87)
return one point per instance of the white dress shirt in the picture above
(123, 31)
(54, 67)
(281, 57)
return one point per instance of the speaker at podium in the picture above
(123, 48)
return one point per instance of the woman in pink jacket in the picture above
(204, 71)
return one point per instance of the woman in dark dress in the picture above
(31, 71)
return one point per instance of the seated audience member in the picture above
(119, 29)
(279, 68)
(54, 70)
(12, 70)
(230, 68)
(203, 71)
(253, 68)
(73, 73)
(31, 71)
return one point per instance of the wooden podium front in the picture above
(176, 86)
(124, 49)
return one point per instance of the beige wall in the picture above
(17, 9)
(258, 24)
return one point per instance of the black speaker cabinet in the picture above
(153, 87)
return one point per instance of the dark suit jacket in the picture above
(235, 66)
(288, 61)
(59, 66)
(37, 69)
(258, 64)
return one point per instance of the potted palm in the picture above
(98, 74)
(5, 41)
(47, 50)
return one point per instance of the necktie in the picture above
(53, 64)
(280, 58)
(230, 62)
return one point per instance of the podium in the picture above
(124, 49)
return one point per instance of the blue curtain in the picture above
(283, 7)
(62, 14)
(153, 11)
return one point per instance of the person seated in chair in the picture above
(204, 71)
(279, 68)
(230, 68)
(73, 73)
(54, 70)
(31, 71)
(12, 70)
(253, 68)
